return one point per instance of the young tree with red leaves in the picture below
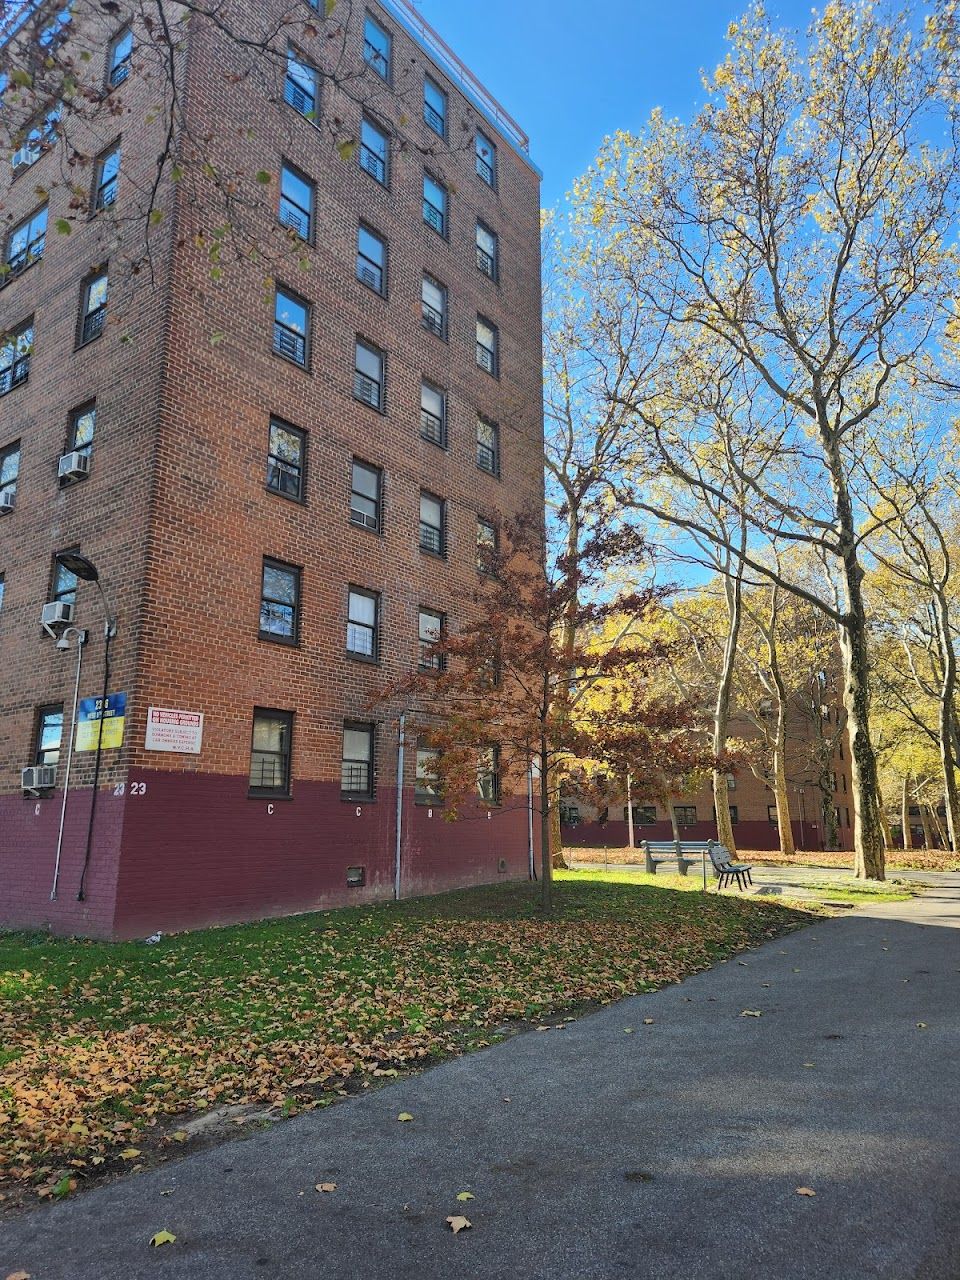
(507, 693)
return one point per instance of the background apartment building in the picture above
(283, 474)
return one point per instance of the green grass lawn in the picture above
(104, 1045)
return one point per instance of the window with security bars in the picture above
(286, 459)
(488, 446)
(686, 814)
(486, 159)
(487, 346)
(279, 602)
(486, 545)
(291, 325)
(374, 151)
(9, 471)
(433, 414)
(49, 734)
(106, 178)
(644, 815)
(270, 752)
(430, 627)
(356, 764)
(377, 47)
(118, 60)
(83, 422)
(366, 487)
(487, 251)
(37, 140)
(432, 521)
(93, 308)
(25, 243)
(772, 814)
(368, 375)
(435, 204)
(362, 616)
(300, 86)
(427, 789)
(297, 194)
(434, 306)
(435, 107)
(488, 776)
(371, 259)
(16, 349)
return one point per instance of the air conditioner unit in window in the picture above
(38, 777)
(8, 500)
(56, 612)
(23, 158)
(73, 466)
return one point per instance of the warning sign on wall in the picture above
(171, 730)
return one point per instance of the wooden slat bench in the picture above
(726, 869)
(685, 853)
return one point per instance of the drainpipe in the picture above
(63, 643)
(401, 743)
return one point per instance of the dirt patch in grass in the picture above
(108, 1046)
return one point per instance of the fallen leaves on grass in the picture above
(101, 1043)
(458, 1223)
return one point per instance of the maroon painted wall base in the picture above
(749, 835)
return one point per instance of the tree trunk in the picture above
(905, 811)
(937, 825)
(546, 859)
(925, 823)
(946, 726)
(780, 791)
(885, 828)
(674, 825)
(556, 833)
(867, 834)
(733, 588)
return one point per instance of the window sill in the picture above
(17, 273)
(372, 407)
(305, 368)
(365, 659)
(434, 555)
(287, 642)
(287, 497)
(353, 797)
(264, 793)
(430, 802)
(88, 341)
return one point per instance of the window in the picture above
(731, 782)
(486, 546)
(434, 298)
(2, 588)
(300, 86)
(488, 446)
(427, 789)
(279, 602)
(270, 752)
(685, 814)
(644, 815)
(487, 251)
(833, 782)
(15, 351)
(432, 524)
(296, 202)
(25, 243)
(435, 107)
(487, 343)
(365, 496)
(291, 323)
(49, 733)
(64, 585)
(434, 205)
(362, 623)
(83, 422)
(93, 308)
(430, 629)
(118, 60)
(38, 139)
(286, 459)
(9, 472)
(356, 765)
(106, 179)
(734, 815)
(368, 376)
(371, 259)
(374, 151)
(488, 776)
(433, 414)
(376, 47)
(772, 814)
(843, 783)
(486, 159)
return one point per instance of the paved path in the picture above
(673, 1151)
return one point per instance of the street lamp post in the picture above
(87, 571)
(63, 643)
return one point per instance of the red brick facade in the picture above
(177, 514)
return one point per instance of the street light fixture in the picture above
(63, 644)
(87, 571)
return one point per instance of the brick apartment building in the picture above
(283, 483)
(818, 775)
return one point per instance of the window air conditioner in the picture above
(74, 466)
(8, 500)
(38, 777)
(57, 611)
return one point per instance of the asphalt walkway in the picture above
(611, 1148)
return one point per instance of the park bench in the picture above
(685, 853)
(726, 869)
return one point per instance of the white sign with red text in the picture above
(171, 730)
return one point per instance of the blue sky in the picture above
(572, 71)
